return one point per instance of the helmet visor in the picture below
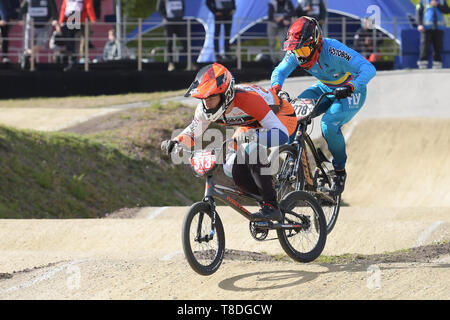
(302, 52)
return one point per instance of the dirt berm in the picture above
(399, 199)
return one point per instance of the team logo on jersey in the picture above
(340, 53)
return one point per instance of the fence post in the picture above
(395, 36)
(32, 63)
(118, 11)
(140, 44)
(86, 46)
(325, 30)
(188, 47)
(238, 49)
(174, 49)
(374, 38)
(344, 30)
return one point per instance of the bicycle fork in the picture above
(212, 204)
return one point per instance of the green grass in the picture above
(56, 175)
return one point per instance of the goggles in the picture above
(303, 52)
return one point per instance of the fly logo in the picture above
(354, 100)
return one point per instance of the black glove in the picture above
(168, 145)
(343, 92)
(284, 95)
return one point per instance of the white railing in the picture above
(151, 46)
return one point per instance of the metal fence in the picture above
(151, 46)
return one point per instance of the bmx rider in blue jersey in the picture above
(340, 70)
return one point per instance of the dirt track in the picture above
(399, 199)
(141, 259)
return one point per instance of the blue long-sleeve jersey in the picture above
(338, 66)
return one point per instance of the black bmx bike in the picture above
(302, 166)
(302, 233)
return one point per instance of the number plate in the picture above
(303, 107)
(203, 162)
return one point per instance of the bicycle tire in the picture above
(331, 211)
(291, 202)
(284, 187)
(192, 256)
(332, 218)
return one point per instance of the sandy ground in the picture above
(141, 258)
(399, 197)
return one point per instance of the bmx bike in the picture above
(297, 171)
(302, 232)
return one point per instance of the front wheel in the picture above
(203, 247)
(304, 244)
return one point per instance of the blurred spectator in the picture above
(223, 11)
(44, 15)
(8, 12)
(363, 41)
(173, 13)
(279, 19)
(312, 8)
(111, 50)
(431, 25)
(98, 8)
(74, 12)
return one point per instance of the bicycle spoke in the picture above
(204, 250)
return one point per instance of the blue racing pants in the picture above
(336, 113)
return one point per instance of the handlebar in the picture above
(285, 95)
(322, 97)
(180, 147)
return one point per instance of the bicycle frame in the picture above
(213, 190)
(301, 142)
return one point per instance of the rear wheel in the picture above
(330, 204)
(304, 244)
(204, 249)
(285, 180)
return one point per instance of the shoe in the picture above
(437, 65)
(5, 60)
(171, 67)
(70, 64)
(268, 212)
(69, 67)
(338, 182)
(422, 64)
(25, 64)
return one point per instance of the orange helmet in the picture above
(213, 79)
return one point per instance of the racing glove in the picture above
(276, 88)
(168, 145)
(343, 92)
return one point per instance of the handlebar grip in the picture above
(284, 95)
